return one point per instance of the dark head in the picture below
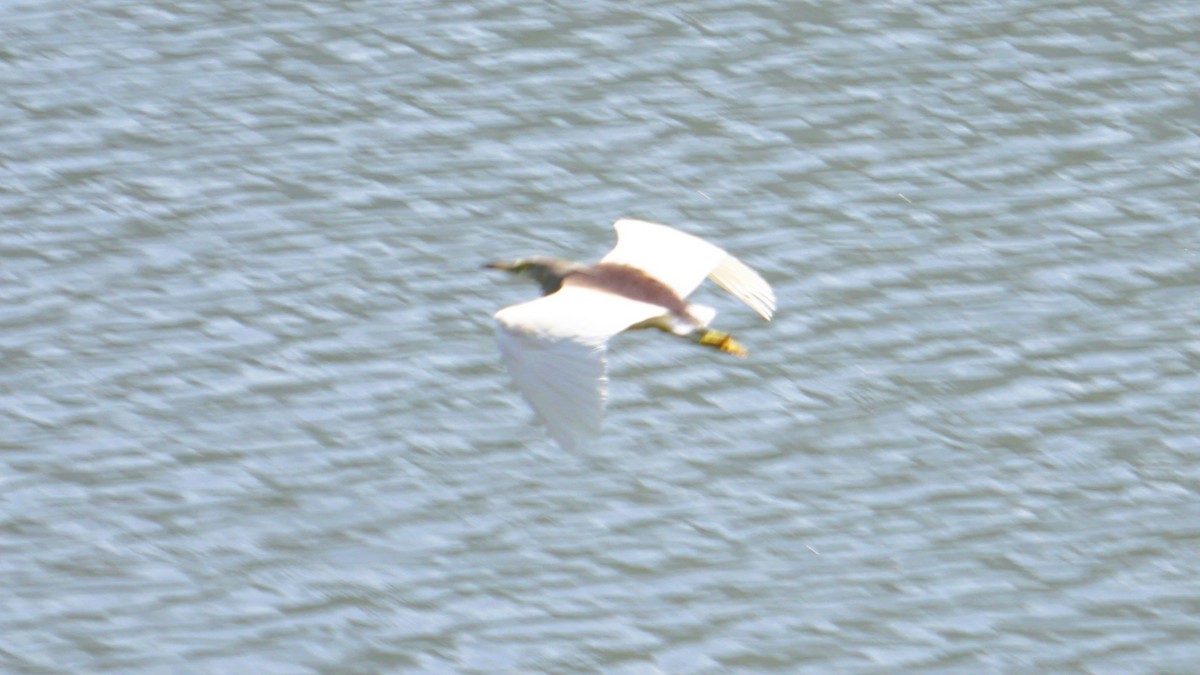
(548, 272)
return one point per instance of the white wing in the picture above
(554, 350)
(682, 261)
(563, 380)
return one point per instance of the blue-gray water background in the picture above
(252, 418)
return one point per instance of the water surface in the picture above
(252, 417)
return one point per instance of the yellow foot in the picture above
(722, 341)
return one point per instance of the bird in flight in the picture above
(555, 346)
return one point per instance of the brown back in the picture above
(629, 282)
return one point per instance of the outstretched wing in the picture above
(554, 348)
(682, 262)
(563, 380)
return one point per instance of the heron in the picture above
(555, 347)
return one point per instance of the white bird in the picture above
(555, 346)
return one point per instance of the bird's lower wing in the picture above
(563, 380)
(554, 348)
(682, 261)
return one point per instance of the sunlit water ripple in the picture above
(253, 419)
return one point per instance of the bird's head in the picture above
(548, 272)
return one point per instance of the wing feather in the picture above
(746, 285)
(563, 380)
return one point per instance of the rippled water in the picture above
(252, 417)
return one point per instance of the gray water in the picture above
(252, 417)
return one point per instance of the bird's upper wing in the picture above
(682, 261)
(554, 348)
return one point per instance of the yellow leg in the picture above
(722, 341)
